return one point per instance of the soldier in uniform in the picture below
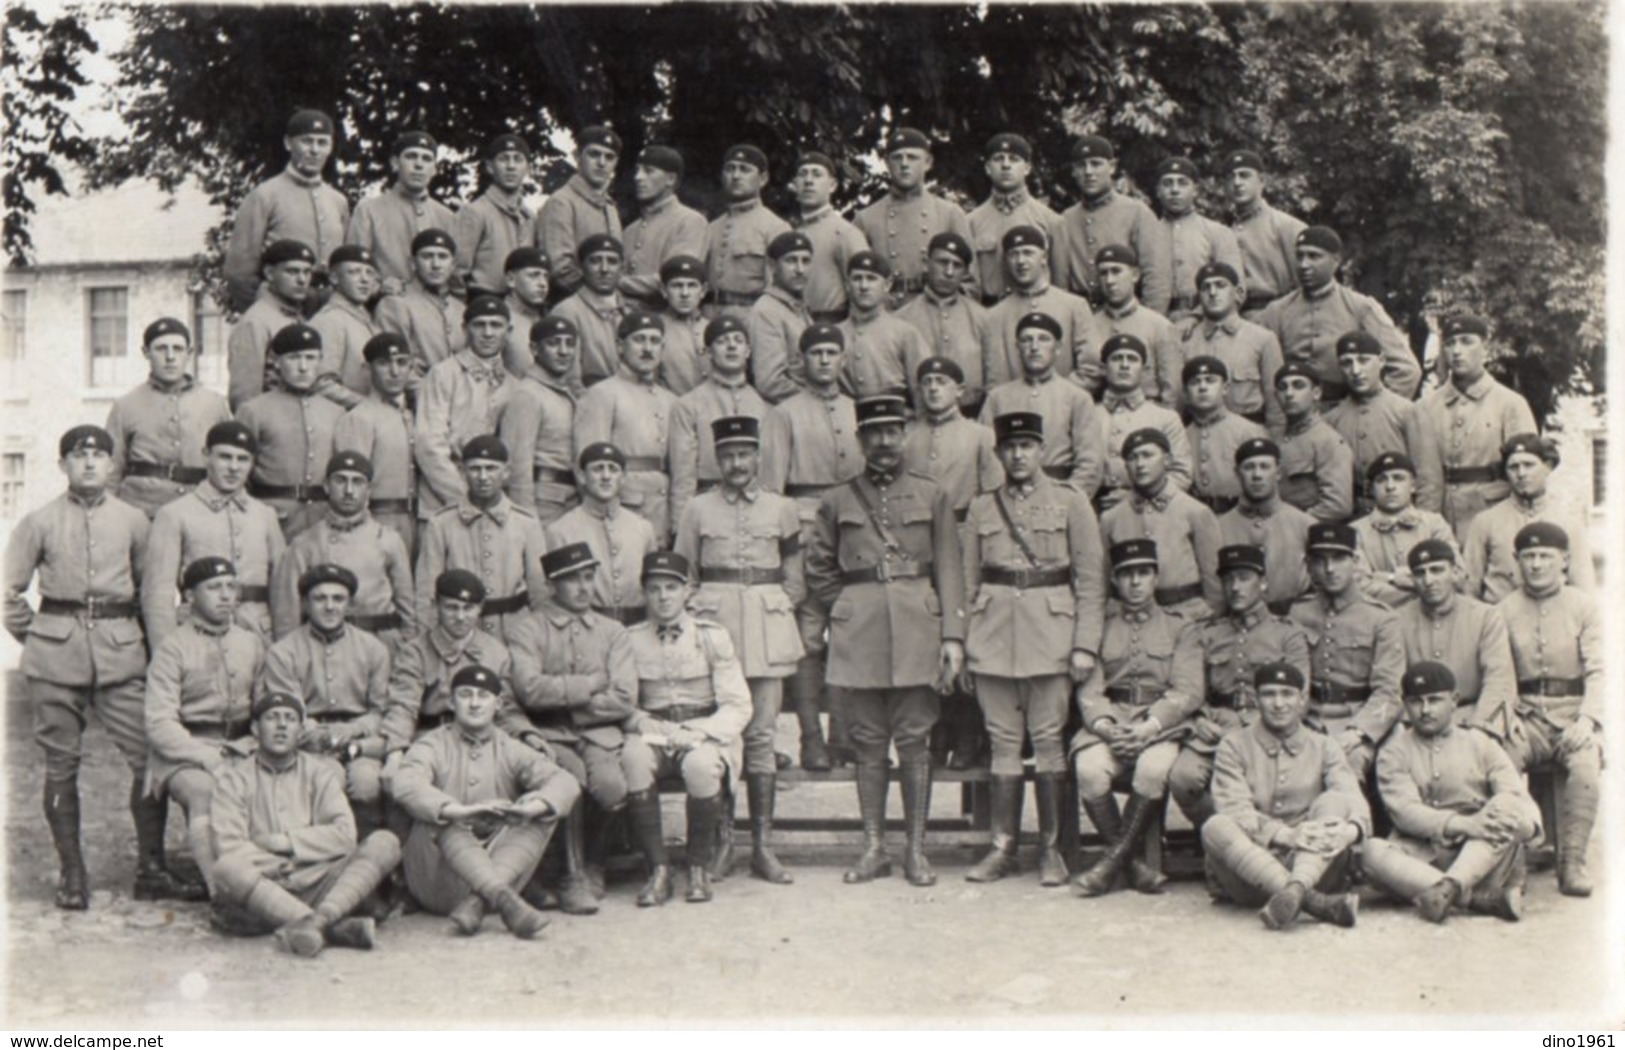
(1194, 240)
(1317, 465)
(882, 351)
(884, 560)
(217, 518)
(775, 321)
(619, 538)
(346, 325)
(280, 302)
(82, 649)
(1186, 532)
(526, 274)
(289, 859)
(1125, 409)
(461, 398)
(633, 412)
(1250, 352)
(834, 239)
(725, 391)
(483, 807)
(1527, 460)
(1214, 433)
(736, 241)
(692, 706)
(498, 222)
(538, 425)
(581, 208)
(1290, 812)
(665, 228)
(1373, 420)
(1075, 446)
(158, 427)
(1266, 236)
(957, 453)
(1032, 571)
(389, 223)
(1261, 518)
(900, 225)
(1393, 528)
(293, 432)
(382, 429)
(1118, 270)
(1026, 263)
(1104, 216)
(1463, 634)
(682, 361)
(1007, 161)
(424, 311)
(596, 309)
(1459, 808)
(949, 319)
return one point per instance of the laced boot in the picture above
(1108, 821)
(1282, 909)
(522, 920)
(875, 863)
(1339, 909)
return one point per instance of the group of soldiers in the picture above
(505, 518)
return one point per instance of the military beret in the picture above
(822, 335)
(665, 563)
(736, 430)
(1331, 536)
(433, 239)
(414, 140)
(317, 575)
(485, 306)
(599, 135)
(787, 242)
(1534, 445)
(1323, 237)
(1464, 324)
(1389, 461)
(561, 561)
(639, 321)
(1243, 159)
(953, 243)
(548, 327)
(822, 160)
(722, 326)
(879, 410)
(1117, 253)
(1092, 146)
(868, 262)
(460, 585)
(1540, 534)
(907, 138)
(1014, 425)
(1426, 679)
(1023, 236)
(682, 266)
(202, 570)
(506, 143)
(162, 327)
(744, 153)
(476, 677)
(1429, 551)
(940, 366)
(662, 158)
(1278, 674)
(271, 701)
(349, 461)
(1204, 365)
(231, 432)
(1008, 142)
(294, 338)
(84, 437)
(1128, 554)
(1296, 368)
(1223, 271)
(1178, 166)
(1042, 321)
(308, 122)
(1241, 556)
(601, 452)
(1358, 342)
(1146, 436)
(486, 447)
(384, 345)
(1122, 341)
(1257, 447)
(349, 253)
(285, 251)
(526, 258)
(599, 242)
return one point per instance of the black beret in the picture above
(907, 138)
(381, 346)
(1243, 158)
(349, 461)
(561, 561)
(308, 122)
(203, 570)
(682, 266)
(271, 701)
(317, 575)
(1220, 270)
(1128, 554)
(433, 239)
(487, 447)
(162, 327)
(821, 335)
(1296, 368)
(736, 430)
(1278, 674)
(1241, 556)
(1013, 425)
(1117, 253)
(506, 143)
(665, 563)
(1426, 679)
(1257, 447)
(662, 158)
(822, 160)
(1358, 342)
(1178, 166)
(592, 244)
(953, 243)
(1146, 436)
(1323, 237)
(1534, 445)
(1092, 146)
(868, 262)
(1023, 236)
(638, 321)
(1331, 536)
(940, 366)
(881, 409)
(460, 585)
(485, 306)
(476, 677)
(722, 326)
(599, 135)
(601, 452)
(1008, 142)
(1203, 365)
(295, 338)
(744, 153)
(1540, 534)
(1389, 461)
(526, 258)
(787, 242)
(1122, 341)
(1042, 321)
(414, 140)
(286, 250)
(231, 432)
(1428, 552)
(350, 253)
(1464, 324)
(548, 327)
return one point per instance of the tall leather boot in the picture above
(875, 863)
(703, 815)
(804, 694)
(1108, 821)
(62, 816)
(153, 879)
(916, 810)
(841, 751)
(722, 852)
(1575, 822)
(1006, 815)
(939, 744)
(1141, 875)
(763, 792)
(575, 894)
(643, 811)
(1049, 789)
(1103, 875)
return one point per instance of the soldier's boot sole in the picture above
(360, 933)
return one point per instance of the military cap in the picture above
(1534, 445)
(548, 327)
(202, 570)
(736, 430)
(1296, 368)
(822, 335)
(599, 135)
(350, 253)
(879, 410)
(823, 160)
(308, 122)
(84, 437)
(460, 585)
(787, 242)
(1257, 447)
(1221, 270)
(940, 366)
(638, 321)
(1323, 237)
(1203, 365)
(1243, 159)
(1426, 679)
(485, 306)
(601, 452)
(162, 327)
(1178, 166)
(1039, 319)
(1429, 551)
(953, 243)
(285, 251)
(433, 239)
(293, 338)
(682, 266)
(1122, 341)
(1358, 342)
(506, 143)
(414, 140)
(349, 461)
(1127, 554)
(1009, 142)
(662, 158)
(327, 572)
(1145, 436)
(745, 153)
(722, 326)
(477, 677)
(1540, 534)
(231, 432)
(1241, 556)
(381, 346)
(1278, 674)
(561, 561)
(1389, 461)
(665, 563)
(1013, 425)
(907, 138)
(1024, 236)
(1331, 536)
(1117, 253)
(868, 262)
(271, 701)
(595, 243)
(526, 258)
(1092, 146)
(487, 447)
(1464, 324)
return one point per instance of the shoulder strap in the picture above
(1015, 530)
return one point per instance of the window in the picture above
(11, 483)
(15, 337)
(1599, 468)
(108, 332)
(209, 339)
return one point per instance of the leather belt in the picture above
(685, 712)
(627, 615)
(555, 475)
(1551, 687)
(1028, 579)
(651, 463)
(299, 493)
(1134, 694)
(504, 606)
(333, 717)
(827, 316)
(722, 298)
(92, 608)
(1059, 473)
(1175, 595)
(885, 572)
(226, 730)
(747, 577)
(1325, 693)
(393, 506)
(804, 489)
(1470, 475)
(138, 468)
(389, 621)
(253, 592)
(1218, 504)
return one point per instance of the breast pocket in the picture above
(1046, 531)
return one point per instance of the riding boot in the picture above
(916, 811)
(1141, 875)
(62, 815)
(575, 894)
(703, 815)
(153, 879)
(1049, 789)
(940, 743)
(722, 852)
(1006, 816)
(815, 756)
(1104, 874)
(643, 812)
(762, 789)
(875, 863)
(1107, 819)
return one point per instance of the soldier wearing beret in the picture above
(382, 429)
(491, 226)
(1266, 236)
(1317, 465)
(293, 431)
(82, 647)
(1250, 352)
(1260, 517)
(900, 225)
(388, 223)
(158, 427)
(1557, 653)
(218, 519)
(1289, 812)
(461, 398)
(1459, 808)
(940, 443)
(425, 311)
(883, 352)
(633, 412)
(346, 324)
(200, 691)
(1373, 420)
(952, 323)
(538, 426)
(1310, 319)
(289, 857)
(581, 208)
(1463, 634)
(834, 239)
(1074, 427)
(597, 309)
(725, 391)
(295, 204)
(1037, 597)
(775, 322)
(1026, 261)
(736, 241)
(665, 227)
(884, 560)
(1489, 557)
(682, 362)
(1007, 159)
(1194, 240)
(280, 302)
(1187, 534)
(526, 278)
(1118, 270)
(484, 807)
(1214, 433)
(1104, 216)
(1136, 705)
(1125, 409)
(618, 538)
(1393, 528)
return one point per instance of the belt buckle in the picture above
(882, 571)
(169, 471)
(302, 493)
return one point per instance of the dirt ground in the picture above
(809, 955)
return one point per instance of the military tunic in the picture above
(666, 229)
(682, 366)
(597, 319)
(1077, 356)
(1317, 470)
(343, 680)
(517, 357)
(385, 433)
(1123, 414)
(1282, 530)
(1309, 324)
(1187, 538)
(883, 356)
(462, 398)
(538, 429)
(1194, 241)
(1113, 218)
(384, 602)
(990, 221)
(900, 226)
(1557, 644)
(162, 429)
(774, 325)
(199, 694)
(736, 265)
(385, 224)
(1490, 561)
(430, 322)
(345, 328)
(634, 416)
(1252, 356)
(1234, 645)
(1358, 658)
(304, 800)
(1163, 368)
(295, 436)
(248, 371)
(953, 328)
(1213, 442)
(501, 544)
(287, 206)
(1460, 465)
(206, 523)
(619, 538)
(956, 453)
(569, 216)
(1385, 546)
(690, 450)
(1268, 241)
(809, 444)
(420, 673)
(486, 230)
(688, 675)
(1383, 422)
(1074, 434)
(1470, 638)
(834, 241)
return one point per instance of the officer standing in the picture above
(1103, 216)
(619, 538)
(1194, 240)
(1007, 161)
(596, 309)
(538, 425)
(1267, 237)
(1490, 560)
(1317, 465)
(1250, 352)
(1118, 270)
(389, 223)
(526, 274)
(633, 412)
(1125, 410)
(293, 432)
(280, 302)
(900, 225)
(424, 311)
(1463, 634)
(1374, 420)
(346, 324)
(775, 322)
(951, 322)
(1393, 529)
(834, 240)
(461, 398)
(498, 222)
(725, 391)
(382, 429)
(1027, 264)
(665, 228)
(1214, 433)
(682, 365)
(736, 241)
(882, 351)
(581, 208)
(1075, 448)
(1186, 533)
(1261, 518)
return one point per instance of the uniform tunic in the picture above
(690, 448)
(462, 398)
(684, 670)
(569, 216)
(1470, 638)
(287, 206)
(597, 318)
(383, 569)
(634, 416)
(303, 800)
(666, 229)
(420, 674)
(1383, 422)
(834, 241)
(1268, 241)
(516, 355)
(681, 364)
(1267, 783)
(736, 265)
(1309, 324)
(1385, 545)
(385, 225)
(1113, 218)
(1557, 636)
(1187, 538)
(1076, 352)
(295, 435)
(1491, 562)
(990, 221)
(1317, 470)
(883, 355)
(199, 694)
(345, 328)
(385, 433)
(1213, 442)
(205, 523)
(1283, 531)
(619, 538)
(486, 230)
(774, 325)
(344, 678)
(900, 226)
(163, 427)
(1465, 430)
(1074, 435)
(430, 322)
(1150, 667)
(1424, 781)
(956, 453)
(1194, 241)
(1123, 414)
(538, 429)
(558, 656)
(501, 544)
(1358, 659)
(1161, 378)
(1252, 356)
(809, 443)
(248, 370)
(1234, 645)
(953, 328)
